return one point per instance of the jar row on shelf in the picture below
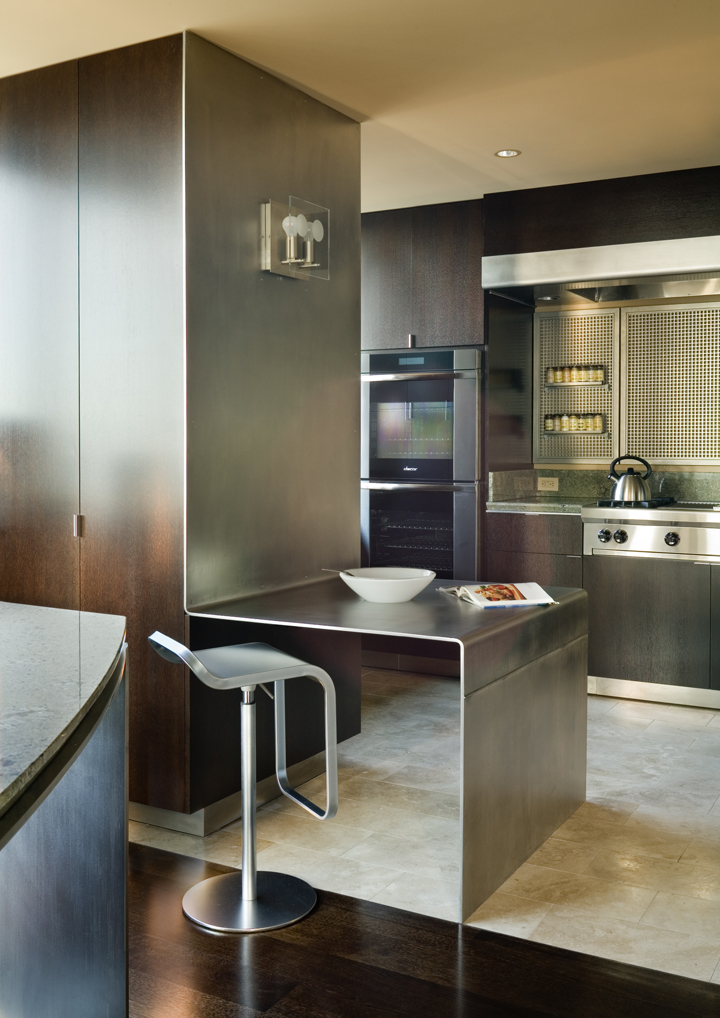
(575, 374)
(591, 423)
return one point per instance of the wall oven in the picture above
(420, 459)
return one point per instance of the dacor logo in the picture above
(409, 468)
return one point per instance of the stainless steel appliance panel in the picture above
(272, 362)
(420, 415)
(670, 540)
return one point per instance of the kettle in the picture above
(630, 487)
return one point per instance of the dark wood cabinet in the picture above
(421, 276)
(623, 210)
(39, 438)
(650, 619)
(544, 548)
(129, 238)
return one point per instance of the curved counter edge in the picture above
(32, 787)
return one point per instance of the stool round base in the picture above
(217, 903)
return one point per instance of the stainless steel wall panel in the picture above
(273, 363)
(39, 337)
(524, 765)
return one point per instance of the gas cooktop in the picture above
(651, 503)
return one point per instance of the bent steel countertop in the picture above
(54, 666)
(518, 634)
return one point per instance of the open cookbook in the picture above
(501, 595)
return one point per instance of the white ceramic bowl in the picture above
(387, 583)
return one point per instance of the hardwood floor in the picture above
(359, 959)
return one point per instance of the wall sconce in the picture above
(295, 239)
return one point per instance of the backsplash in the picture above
(684, 486)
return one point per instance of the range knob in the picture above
(672, 539)
(604, 536)
(620, 536)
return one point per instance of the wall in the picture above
(272, 362)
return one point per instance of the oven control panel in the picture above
(612, 537)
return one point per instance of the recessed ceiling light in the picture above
(508, 153)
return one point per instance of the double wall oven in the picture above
(420, 459)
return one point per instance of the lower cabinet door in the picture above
(650, 620)
(715, 627)
(529, 567)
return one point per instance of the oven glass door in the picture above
(413, 528)
(411, 430)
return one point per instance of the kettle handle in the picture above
(612, 476)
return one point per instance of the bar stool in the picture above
(250, 902)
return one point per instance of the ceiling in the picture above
(586, 90)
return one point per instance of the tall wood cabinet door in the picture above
(39, 337)
(649, 620)
(386, 296)
(131, 386)
(447, 293)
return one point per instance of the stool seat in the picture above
(237, 665)
(250, 901)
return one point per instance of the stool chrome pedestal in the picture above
(248, 901)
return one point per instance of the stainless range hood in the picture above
(649, 270)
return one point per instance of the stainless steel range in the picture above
(680, 531)
(653, 581)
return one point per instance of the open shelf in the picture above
(574, 434)
(577, 385)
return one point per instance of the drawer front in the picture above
(546, 534)
(527, 567)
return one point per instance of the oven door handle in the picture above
(696, 560)
(417, 376)
(413, 486)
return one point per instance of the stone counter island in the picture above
(62, 813)
(523, 689)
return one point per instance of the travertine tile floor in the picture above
(634, 875)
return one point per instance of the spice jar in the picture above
(549, 423)
(550, 375)
(575, 374)
(566, 374)
(583, 373)
(558, 375)
(573, 422)
(598, 421)
(565, 423)
(557, 423)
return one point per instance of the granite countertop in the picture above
(53, 666)
(571, 504)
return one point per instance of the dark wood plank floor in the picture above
(356, 959)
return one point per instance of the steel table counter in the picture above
(523, 687)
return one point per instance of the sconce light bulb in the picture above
(317, 230)
(289, 225)
(301, 224)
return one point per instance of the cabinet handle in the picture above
(78, 522)
(573, 556)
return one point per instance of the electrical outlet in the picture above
(547, 484)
